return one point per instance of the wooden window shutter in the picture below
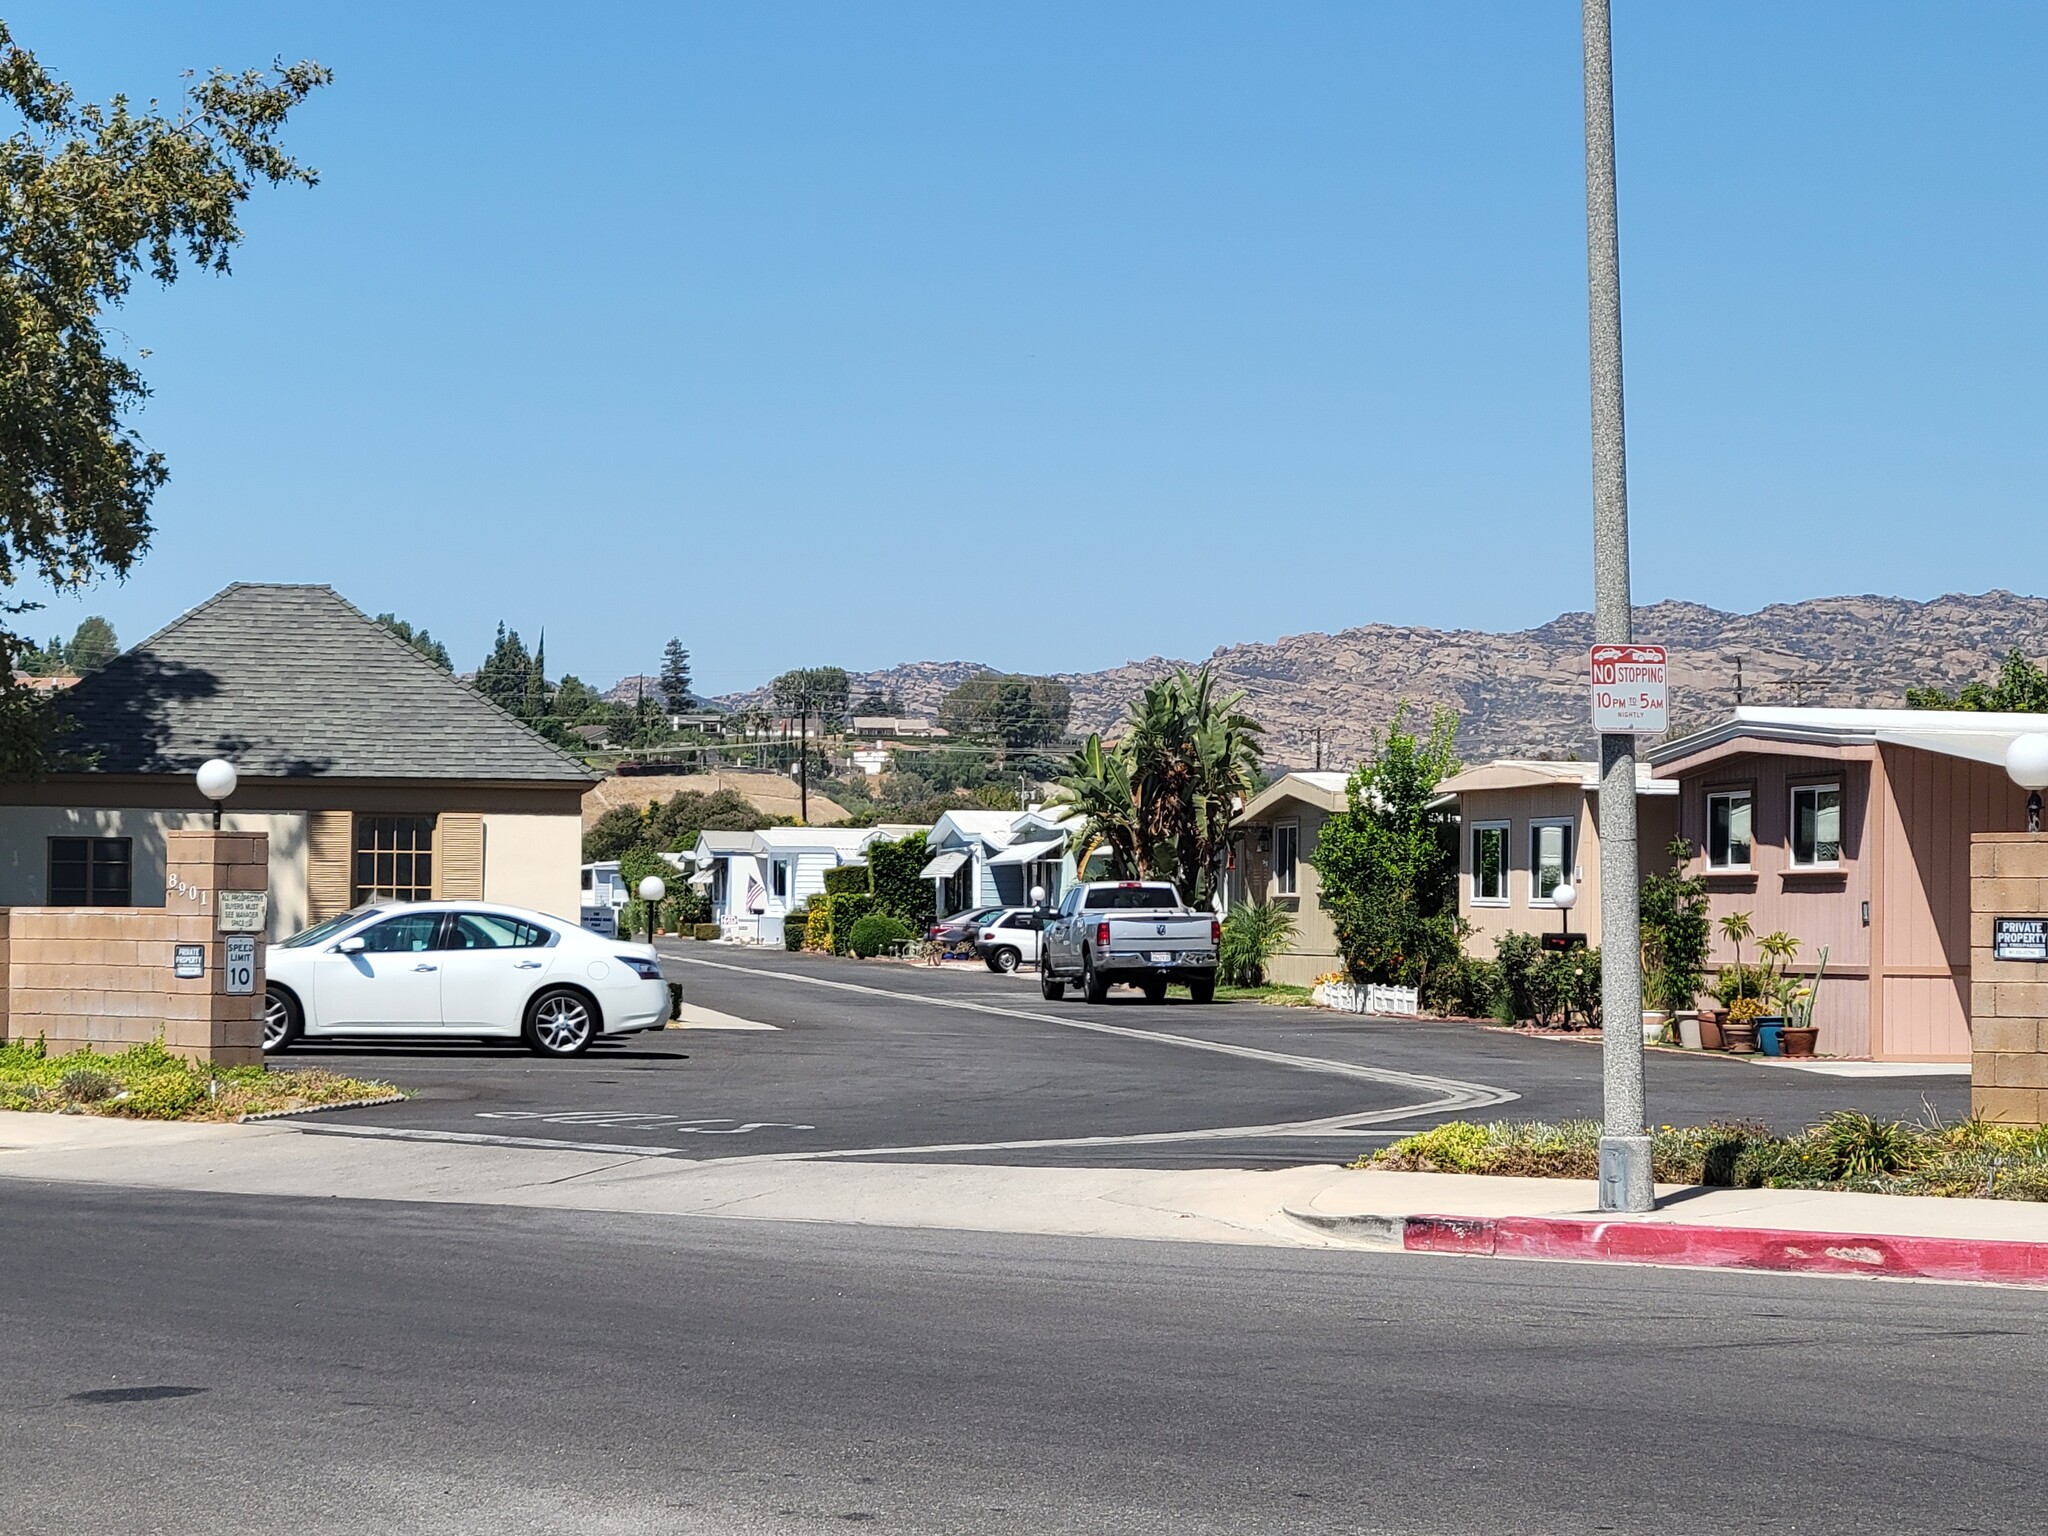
(459, 857)
(329, 844)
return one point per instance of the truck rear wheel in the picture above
(1155, 992)
(1093, 986)
(1203, 991)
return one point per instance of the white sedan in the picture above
(465, 969)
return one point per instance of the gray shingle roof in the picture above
(295, 682)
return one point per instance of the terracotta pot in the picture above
(1710, 1030)
(1739, 1037)
(1799, 1042)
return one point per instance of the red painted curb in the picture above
(1702, 1247)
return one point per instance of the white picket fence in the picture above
(1348, 997)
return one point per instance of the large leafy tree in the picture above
(507, 673)
(812, 693)
(93, 197)
(1161, 799)
(2020, 688)
(1388, 862)
(1009, 710)
(419, 640)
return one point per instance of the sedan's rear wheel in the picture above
(560, 1023)
(1005, 960)
(281, 1020)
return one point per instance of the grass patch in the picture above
(147, 1082)
(1272, 992)
(1848, 1150)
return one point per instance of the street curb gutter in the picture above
(1698, 1247)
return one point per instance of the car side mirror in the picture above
(352, 945)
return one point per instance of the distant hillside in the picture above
(1525, 693)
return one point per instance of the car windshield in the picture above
(1132, 898)
(323, 930)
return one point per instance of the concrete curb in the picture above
(1699, 1247)
(318, 1109)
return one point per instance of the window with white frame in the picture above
(1816, 826)
(1550, 858)
(1286, 856)
(1490, 864)
(778, 877)
(1728, 829)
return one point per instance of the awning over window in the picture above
(1030, 853)
(943, 867)
(703, 879)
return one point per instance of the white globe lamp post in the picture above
(1565, 897)
(652, 889)
(216, 778)
(2026, 764)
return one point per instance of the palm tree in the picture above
(1735, 928)
(1194, 760)
(1098, 786)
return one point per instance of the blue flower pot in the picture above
(1770, 1037)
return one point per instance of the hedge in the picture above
(899, 890)
(845, 912)
(846, 880)
(818, 926)
(876, 932)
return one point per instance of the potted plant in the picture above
(1732, 986)
(1738, 1031)
(1800, 1034)
(1779, 950)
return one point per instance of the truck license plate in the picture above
(1161, 957)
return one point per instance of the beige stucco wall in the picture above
(534, 861)
(25, 831)
(1314, 950)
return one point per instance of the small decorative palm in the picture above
(1735, 928)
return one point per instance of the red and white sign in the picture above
(1629, 698)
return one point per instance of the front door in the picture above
(489, 966)
(392, 984)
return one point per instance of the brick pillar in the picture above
(2008, 998)
(200, 1018)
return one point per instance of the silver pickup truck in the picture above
(1137, 932)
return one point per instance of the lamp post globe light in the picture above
(2026, 764)
(216, 778)
(652, 889)
(1566, 897)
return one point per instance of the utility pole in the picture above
(1738, 682)
(803, 762)
(1625, 1181)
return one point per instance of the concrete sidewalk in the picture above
(1802, 1230)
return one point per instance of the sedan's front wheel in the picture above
(560, 1023)
(281, 1021)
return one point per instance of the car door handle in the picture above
(426, 967)
(527, 965)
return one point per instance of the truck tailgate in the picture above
(1159, 939)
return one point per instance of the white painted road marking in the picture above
(624, 1120)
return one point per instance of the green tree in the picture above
(814, 693)
(1097, 785)
(620, 828)
(577, 702)
(507, 672)
(2020, 688)
(93, 197)
(1193, 757)
(419, 640)
(1009, 710)
(1388, 862)
(675, 825)
(91, 645)
(675, 676)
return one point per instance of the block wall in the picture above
(2008, 998)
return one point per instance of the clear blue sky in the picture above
(1052, 335)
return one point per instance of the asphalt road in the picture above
(198, 1363)
(904, 1062)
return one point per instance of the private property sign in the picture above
(1628, 690)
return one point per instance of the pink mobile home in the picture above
(1851, 828)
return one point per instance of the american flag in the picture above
(757, 897)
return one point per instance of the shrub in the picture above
(847, 910)
(705, 931)
(817, 926)
(899, 890)
(1253, 934)
(82, 1085)
(1520, 955)
(876, 932)
(1468, 989)
(162, 1095)
(1739, 981)
(1676, 933)
(846, 880)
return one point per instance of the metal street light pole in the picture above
(1625, 1183)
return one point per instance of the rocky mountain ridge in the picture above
(1524, 693)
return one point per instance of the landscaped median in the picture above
(147, 1082)
(1851, 1195)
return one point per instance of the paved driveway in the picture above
(883, 1060)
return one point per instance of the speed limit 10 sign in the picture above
(1629, 697)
